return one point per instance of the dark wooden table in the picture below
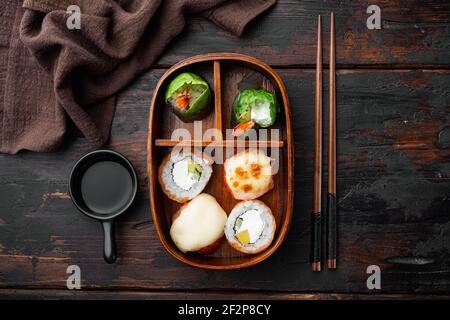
(393, 111)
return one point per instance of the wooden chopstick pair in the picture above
(317, 217)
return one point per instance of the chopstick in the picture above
(331, 204)
(316, 216)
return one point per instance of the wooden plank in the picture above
(413, 33)
(37, 294)
(393, 187)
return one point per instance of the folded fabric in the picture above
(51, 74)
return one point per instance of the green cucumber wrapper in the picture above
(197, 108)
(247, 98)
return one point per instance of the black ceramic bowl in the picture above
(103, 185)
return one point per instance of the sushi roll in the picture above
(189, 97)
(250, 227)
(199, 225)
(249, 174)
(254, 108)
(184, 175)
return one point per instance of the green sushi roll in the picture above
(253, 107)
(189, 96)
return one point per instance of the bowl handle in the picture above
(109, 244)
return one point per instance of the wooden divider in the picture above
(222, 143)
(218, 99)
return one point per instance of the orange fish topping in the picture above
(183, 101)
(242, 128)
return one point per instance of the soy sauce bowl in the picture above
(103, 185)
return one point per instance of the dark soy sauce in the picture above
(106, 187)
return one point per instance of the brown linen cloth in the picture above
(50, 73)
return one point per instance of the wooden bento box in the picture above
(226, 73)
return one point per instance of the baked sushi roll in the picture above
(250, 227)
(189, 96)
(199, 225)
(249, 174)
(184, 175)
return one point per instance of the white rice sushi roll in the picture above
(184, 175)
(250, 227)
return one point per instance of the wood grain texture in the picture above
(414, 33)
(37, 294)
(393, 182)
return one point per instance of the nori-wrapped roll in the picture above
(189, 96)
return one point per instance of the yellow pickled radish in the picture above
(243, 237)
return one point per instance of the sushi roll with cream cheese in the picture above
(183, 176)
(250, 227)
(199, 225)
(254, 108)
(249, 174)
